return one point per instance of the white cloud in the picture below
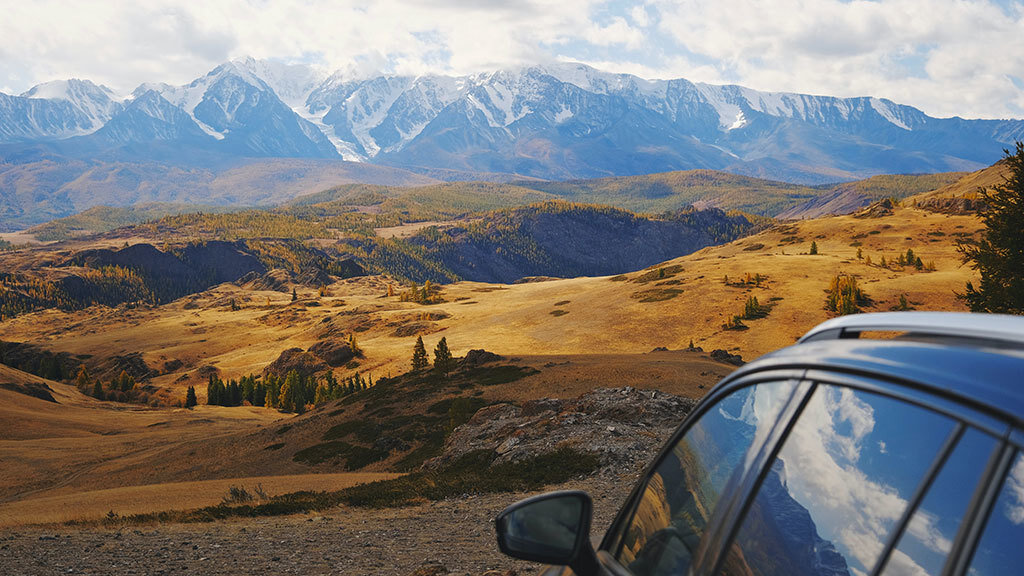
(948, 57)
(618, 32)
(640, 16)
(850, 508)
(1015, 487)
(945, 56)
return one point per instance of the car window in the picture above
(839, 485)
(681, 494)
(928, 537)
(1000, 551)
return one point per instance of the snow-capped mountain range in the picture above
(553, 121)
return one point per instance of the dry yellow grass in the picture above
(599, 315)
(600, 334)
(95, 504)
(968, 185)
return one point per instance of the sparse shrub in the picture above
(237, 495)
(754, 310)
(735, 323)
(902, 304)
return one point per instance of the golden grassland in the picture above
(592, 315)
(75, 459)
(169, 496)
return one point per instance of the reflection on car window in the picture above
(1000, 550)
(839, 485)
(924, 546)
(681, 494)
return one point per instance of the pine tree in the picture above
(419, 356)
(213, 395)
(295, 295)
(190, 397)
(814, 248)
(356, 350)
(442, 358)
(97, 390)
(999, 255)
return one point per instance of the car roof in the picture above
(1002, 328)
(979, 376)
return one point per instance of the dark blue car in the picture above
(881, 444)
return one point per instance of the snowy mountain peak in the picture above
(292, 83)
(71, 89)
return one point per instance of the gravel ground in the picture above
(454, 536)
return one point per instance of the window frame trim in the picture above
(923, 487)
(983, 502)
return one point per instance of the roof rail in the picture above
(962, 325)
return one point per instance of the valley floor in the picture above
(454, 536)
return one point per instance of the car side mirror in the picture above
(552, 528)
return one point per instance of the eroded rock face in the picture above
(475, 358)
(333, 352)
(305, 363)
(720, 355)
(622, 426)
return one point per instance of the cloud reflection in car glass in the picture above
(841, 482)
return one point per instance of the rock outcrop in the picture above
(622, 426)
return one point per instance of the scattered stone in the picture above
(619, 425)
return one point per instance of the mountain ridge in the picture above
(549, 122)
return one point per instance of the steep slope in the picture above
(569, 240)
(852, 196)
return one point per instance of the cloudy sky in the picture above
(947, 57)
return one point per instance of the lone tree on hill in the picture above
(190, 397)
(443, 358)
(419, 356)
(82, 380)
(814, 248)
(999, 255)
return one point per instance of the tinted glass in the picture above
(680, 496)
(839, 485)
(1001, 549)
(924, 546)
